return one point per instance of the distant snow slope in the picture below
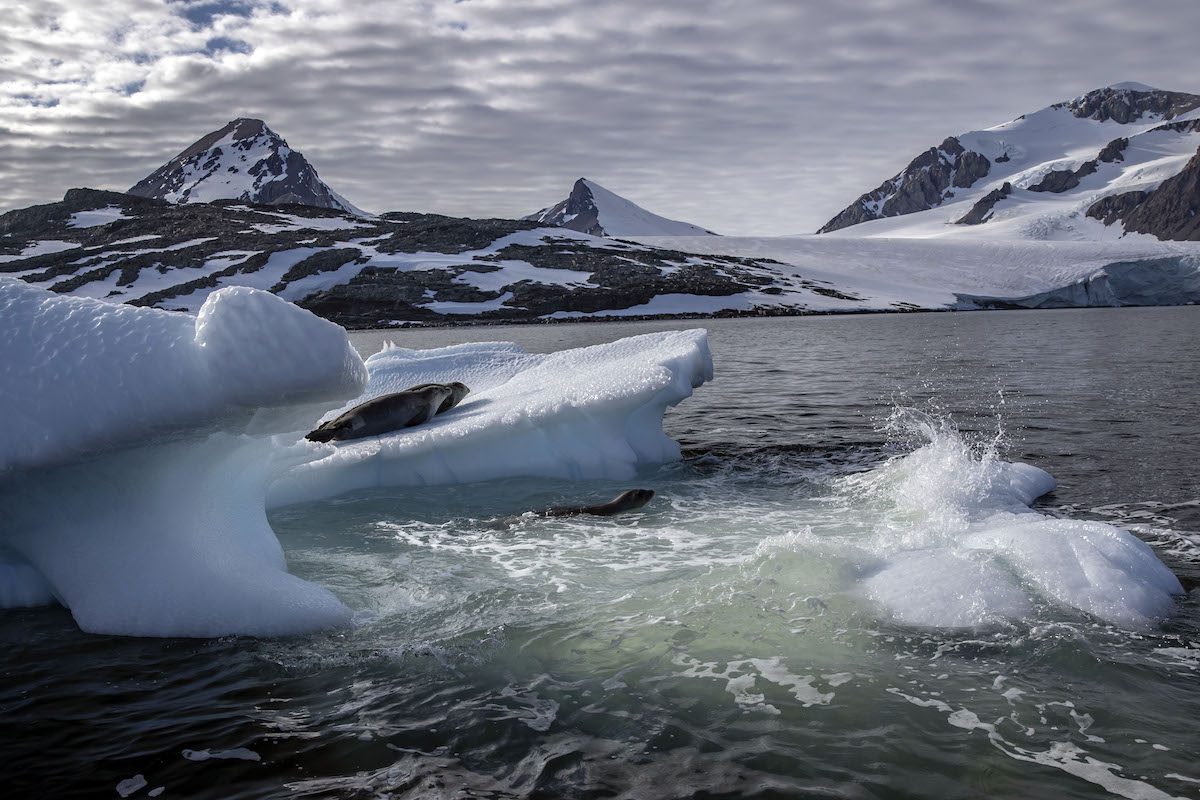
(954, 272)
(245, 160)
(590, 208)
(1037, 176)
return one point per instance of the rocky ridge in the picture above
(1140, 135)
(927, 181)
(395, 268)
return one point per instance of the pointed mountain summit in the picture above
(1108, 140)
(245, 160)
(590, 208)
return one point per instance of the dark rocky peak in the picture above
(578, 212)
(243, 160)
(1130, 102)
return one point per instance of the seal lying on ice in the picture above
(457, 392)
(391, 412)
(625, 501)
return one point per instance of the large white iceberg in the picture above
(141, 446)
(135, 459)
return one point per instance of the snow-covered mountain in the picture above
(424, 268)
(590, 208)
(1092, 168)
(245, 160)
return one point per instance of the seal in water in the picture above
(389, 412)
(625, 501)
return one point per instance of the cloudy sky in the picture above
(744, 116)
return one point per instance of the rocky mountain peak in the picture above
(927, 181)
(244, 160)
(1130, 102)
(590, 208)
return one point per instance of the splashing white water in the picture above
(961, 547)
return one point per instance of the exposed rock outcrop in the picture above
(1126, 104)
(981, 212)
(1172, 211)
(922, 185)
(1112, 208)
(1114, 150)
(1061, 180)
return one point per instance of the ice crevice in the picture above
(143, 447)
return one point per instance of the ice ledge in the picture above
(591, 413)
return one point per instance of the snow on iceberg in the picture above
(80, 376)
(590, 413)
(142, 445)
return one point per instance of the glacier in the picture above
(144, 446)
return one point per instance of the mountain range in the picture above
(1073, 205)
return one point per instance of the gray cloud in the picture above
(745, 117)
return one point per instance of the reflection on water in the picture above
(718, 642)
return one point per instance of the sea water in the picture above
(741, 635)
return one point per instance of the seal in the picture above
(384, 414)
(625, 501)
(457, 392)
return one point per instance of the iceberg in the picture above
(79, 376)
(143, 447)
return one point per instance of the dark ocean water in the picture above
(713, 644)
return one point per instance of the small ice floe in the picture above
(131, 785)
(237, 753)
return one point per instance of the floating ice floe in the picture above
(141, 446)
(137, 457)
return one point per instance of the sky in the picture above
(752, 117)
